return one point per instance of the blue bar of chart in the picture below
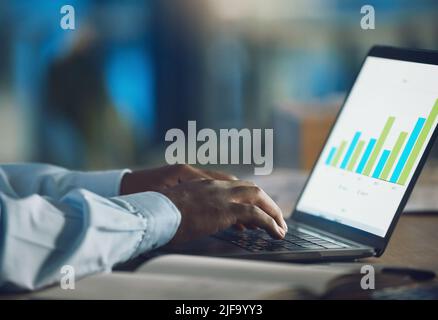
(407, 150)
(381, 163)
(366, 155)
(330, 156)
(350, 150)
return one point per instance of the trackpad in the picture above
(206, 246)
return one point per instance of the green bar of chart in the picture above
(419, 144)
(393, 156)
(356, 155)
(338, 154)
(379, 145)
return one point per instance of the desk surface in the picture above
(414, 243)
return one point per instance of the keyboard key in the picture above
(300, 242)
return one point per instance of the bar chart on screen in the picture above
(372, 157)
(375, 146)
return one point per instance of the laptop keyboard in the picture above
(259, 240)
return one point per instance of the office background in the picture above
(104, 95)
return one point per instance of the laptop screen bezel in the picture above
(348, 232)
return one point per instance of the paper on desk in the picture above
(313, 278)
(194, 277)
(143, 286)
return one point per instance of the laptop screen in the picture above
(375, 146)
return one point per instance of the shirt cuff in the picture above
(162, 218)
(103, 183)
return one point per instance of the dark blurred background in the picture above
(103, 95)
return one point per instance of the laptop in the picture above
(365, 172)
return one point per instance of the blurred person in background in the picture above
(79, 107)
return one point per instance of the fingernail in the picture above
(282, 232)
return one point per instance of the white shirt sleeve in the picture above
(51, 217)
(26, 179)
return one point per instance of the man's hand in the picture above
(210, 206)
(166, 177)
(209, 201)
